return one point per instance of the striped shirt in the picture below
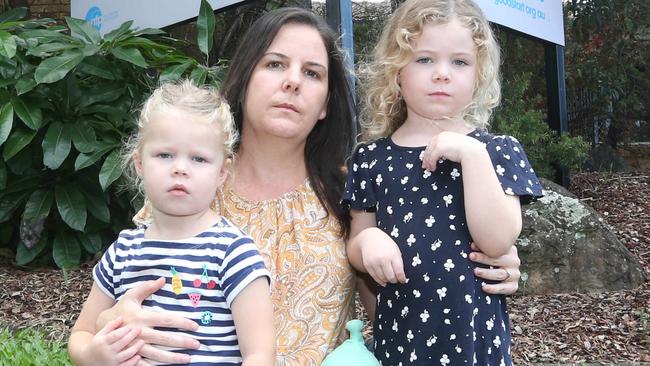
(204, 275)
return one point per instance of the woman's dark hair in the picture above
(330, 141)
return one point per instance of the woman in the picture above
(293, 107)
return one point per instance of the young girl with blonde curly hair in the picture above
(429, 181)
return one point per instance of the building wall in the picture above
(56, 9)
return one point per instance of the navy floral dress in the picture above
(440, 316)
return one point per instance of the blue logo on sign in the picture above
(94, 17)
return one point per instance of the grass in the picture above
(30, 347)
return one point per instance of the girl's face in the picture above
(181, 163)
(438, 82)
(288, 89)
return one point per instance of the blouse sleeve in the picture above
(513, 169)
(358, 193)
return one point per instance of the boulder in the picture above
(565, 246)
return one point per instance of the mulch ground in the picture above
(610, 327)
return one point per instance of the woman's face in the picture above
(288, 89)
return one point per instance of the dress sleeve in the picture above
(515, 173)
(359, 194)
(104, 271)
(241, 265)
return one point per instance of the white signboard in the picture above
(539, 18)
(106, 15)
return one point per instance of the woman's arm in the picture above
(371, 250)
(129, 308)
(114, 344)
(506, 270)
(252, 312)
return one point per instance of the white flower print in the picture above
(405, 311)
(503, 362)
(424, 200)
(395, 328)
(506, 156)
(425, 277)
(416, 294)
(449, 264)
(514, 177)
(522, 164)
(413, 356)
(451, 217)
(410, 240)
(389, 303)
(426, 174)
(468, 299)
(457, 242)
(387, 354)
(530, 182)
(421, 156)
(416, 260)
(400, 349)
(497, 342)
(489, 323)
(389, 209)
(441, 160)
(408, 217)
(379, 179)
(448, 199)
(362, 150)
(431, 341)
(401, 201)
(530, 191)
(424, 316)
(415, 188)
(409, 336)
(452, 227)
(509, 191)
(500, 170)
(390, 168)
(488, 300)
(436, 244)
(404, 180)
(444, 360)
(447, 321)
(373, 163)
(364, 165)
(430, 221)
(434, 187)
(455, 174)
(498, 148)
(452, 337)
(355, 167)
(463, 254)
(371, 146)
(363, 184)
(442, 292)
(461, 278)
(409, 166)
(395, 232)
(458, 349)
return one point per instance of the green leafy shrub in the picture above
(29, 347)
(517, 116)
(66, 104)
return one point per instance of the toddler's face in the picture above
(438, 82)
(181, 163)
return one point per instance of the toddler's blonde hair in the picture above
(385, 110)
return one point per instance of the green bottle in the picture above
(353, 351)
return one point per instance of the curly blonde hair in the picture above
(203, 102)
(385, 110)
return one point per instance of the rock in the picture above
(565, 246)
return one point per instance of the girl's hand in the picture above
(115, 345)
(451, 146)
(381, 257)
(129, 308)
(506, 270)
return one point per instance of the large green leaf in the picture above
(130, 54)
(96, 205)
(53, 47)
(13, 14)
(84, 138)
(111, 169)
(3, 175)
(56, 145)
(84, 29)
(38, 204)
(104, 93)
(25, 255)
(205, 24)
(56, 68)
(91, 242)
(118, 32)
(174, 72)
(9, 203)
(7, 44)
(45, 35)
(199, 75)
(25, 84)
(6, 121)
(28, 111)
(66, 250)
(86, 160)
(16, 142)
(71, 205)
(96, 66)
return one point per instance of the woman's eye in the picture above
(164, 155)
(460, 62)
(274, 65)
(312, 74)
(199, 159)
(424, 60)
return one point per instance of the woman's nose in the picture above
(292, 80)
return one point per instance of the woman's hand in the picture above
(129, 308)
(506, 270)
